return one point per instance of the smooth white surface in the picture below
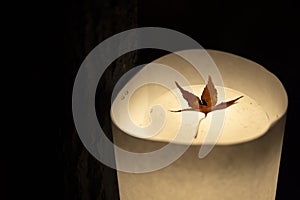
(264, 101)
(246, 170)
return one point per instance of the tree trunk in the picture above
(89, 22)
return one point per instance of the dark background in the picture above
(65, 32)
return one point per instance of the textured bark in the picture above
(89, 23)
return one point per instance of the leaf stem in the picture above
(197, 130)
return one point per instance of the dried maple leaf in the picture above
(208, 101)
